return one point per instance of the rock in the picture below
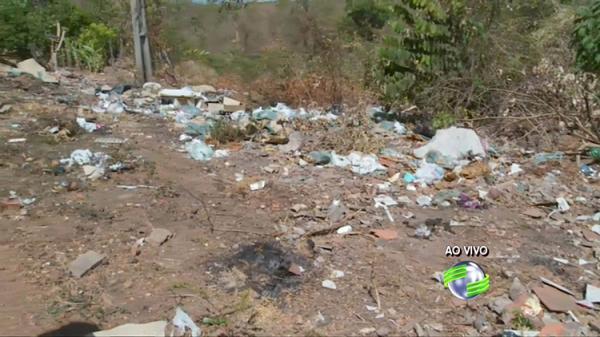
(499, 304)
(386, 233)
(366, 331)
(299, 207)
(152, 329)
(158, 236)
(554, 299)
(296, 269)
(535, 213)
(337, 274)
(516, 289)
(329, 284)
(480, 323)
(383, 331)
(85, 263)
(30, 66)
(295, 141)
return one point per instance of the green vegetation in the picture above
(25, 25)
(587, 37)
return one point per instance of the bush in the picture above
(92, 48)
(587, 38)
(428, 40)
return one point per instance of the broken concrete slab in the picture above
(85, 262)
(158, 236)
(30, 66)
(152, 329)
(557, 286)
(554, 299)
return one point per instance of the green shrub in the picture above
(26, 26)
(428, 40)
(91, 49)
(587, 37)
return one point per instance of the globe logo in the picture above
(466, 280)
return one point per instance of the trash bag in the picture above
(198, 150)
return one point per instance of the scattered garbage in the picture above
(453, 143)
(465, 201)
(515, 169)
(87, 126)
(184, 324)
(423, 232)
(542, 158)
(259, 185)
(424, 200)
(347, 229)
(329, 284)
(429, 173)
(563, 205)
(198, 150)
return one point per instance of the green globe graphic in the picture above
(466, 280)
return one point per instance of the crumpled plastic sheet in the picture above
(183, 322)
(198, 150)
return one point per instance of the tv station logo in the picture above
(466, 280)
(470, 251)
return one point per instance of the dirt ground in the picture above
(229, 257)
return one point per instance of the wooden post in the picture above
(143, 61)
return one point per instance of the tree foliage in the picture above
(587, 37)
(27, 26)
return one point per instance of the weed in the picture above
(520, 322)
(223, 133)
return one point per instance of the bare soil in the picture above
(232, 247)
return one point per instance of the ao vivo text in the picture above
(456, 251)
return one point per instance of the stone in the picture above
(499, 304)
(158, 236)
(516, 289)
(383, 331)
(152, 329)
(535, 213)
(85, 262)
(296, 269)
(30, 66)
(554, 299)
